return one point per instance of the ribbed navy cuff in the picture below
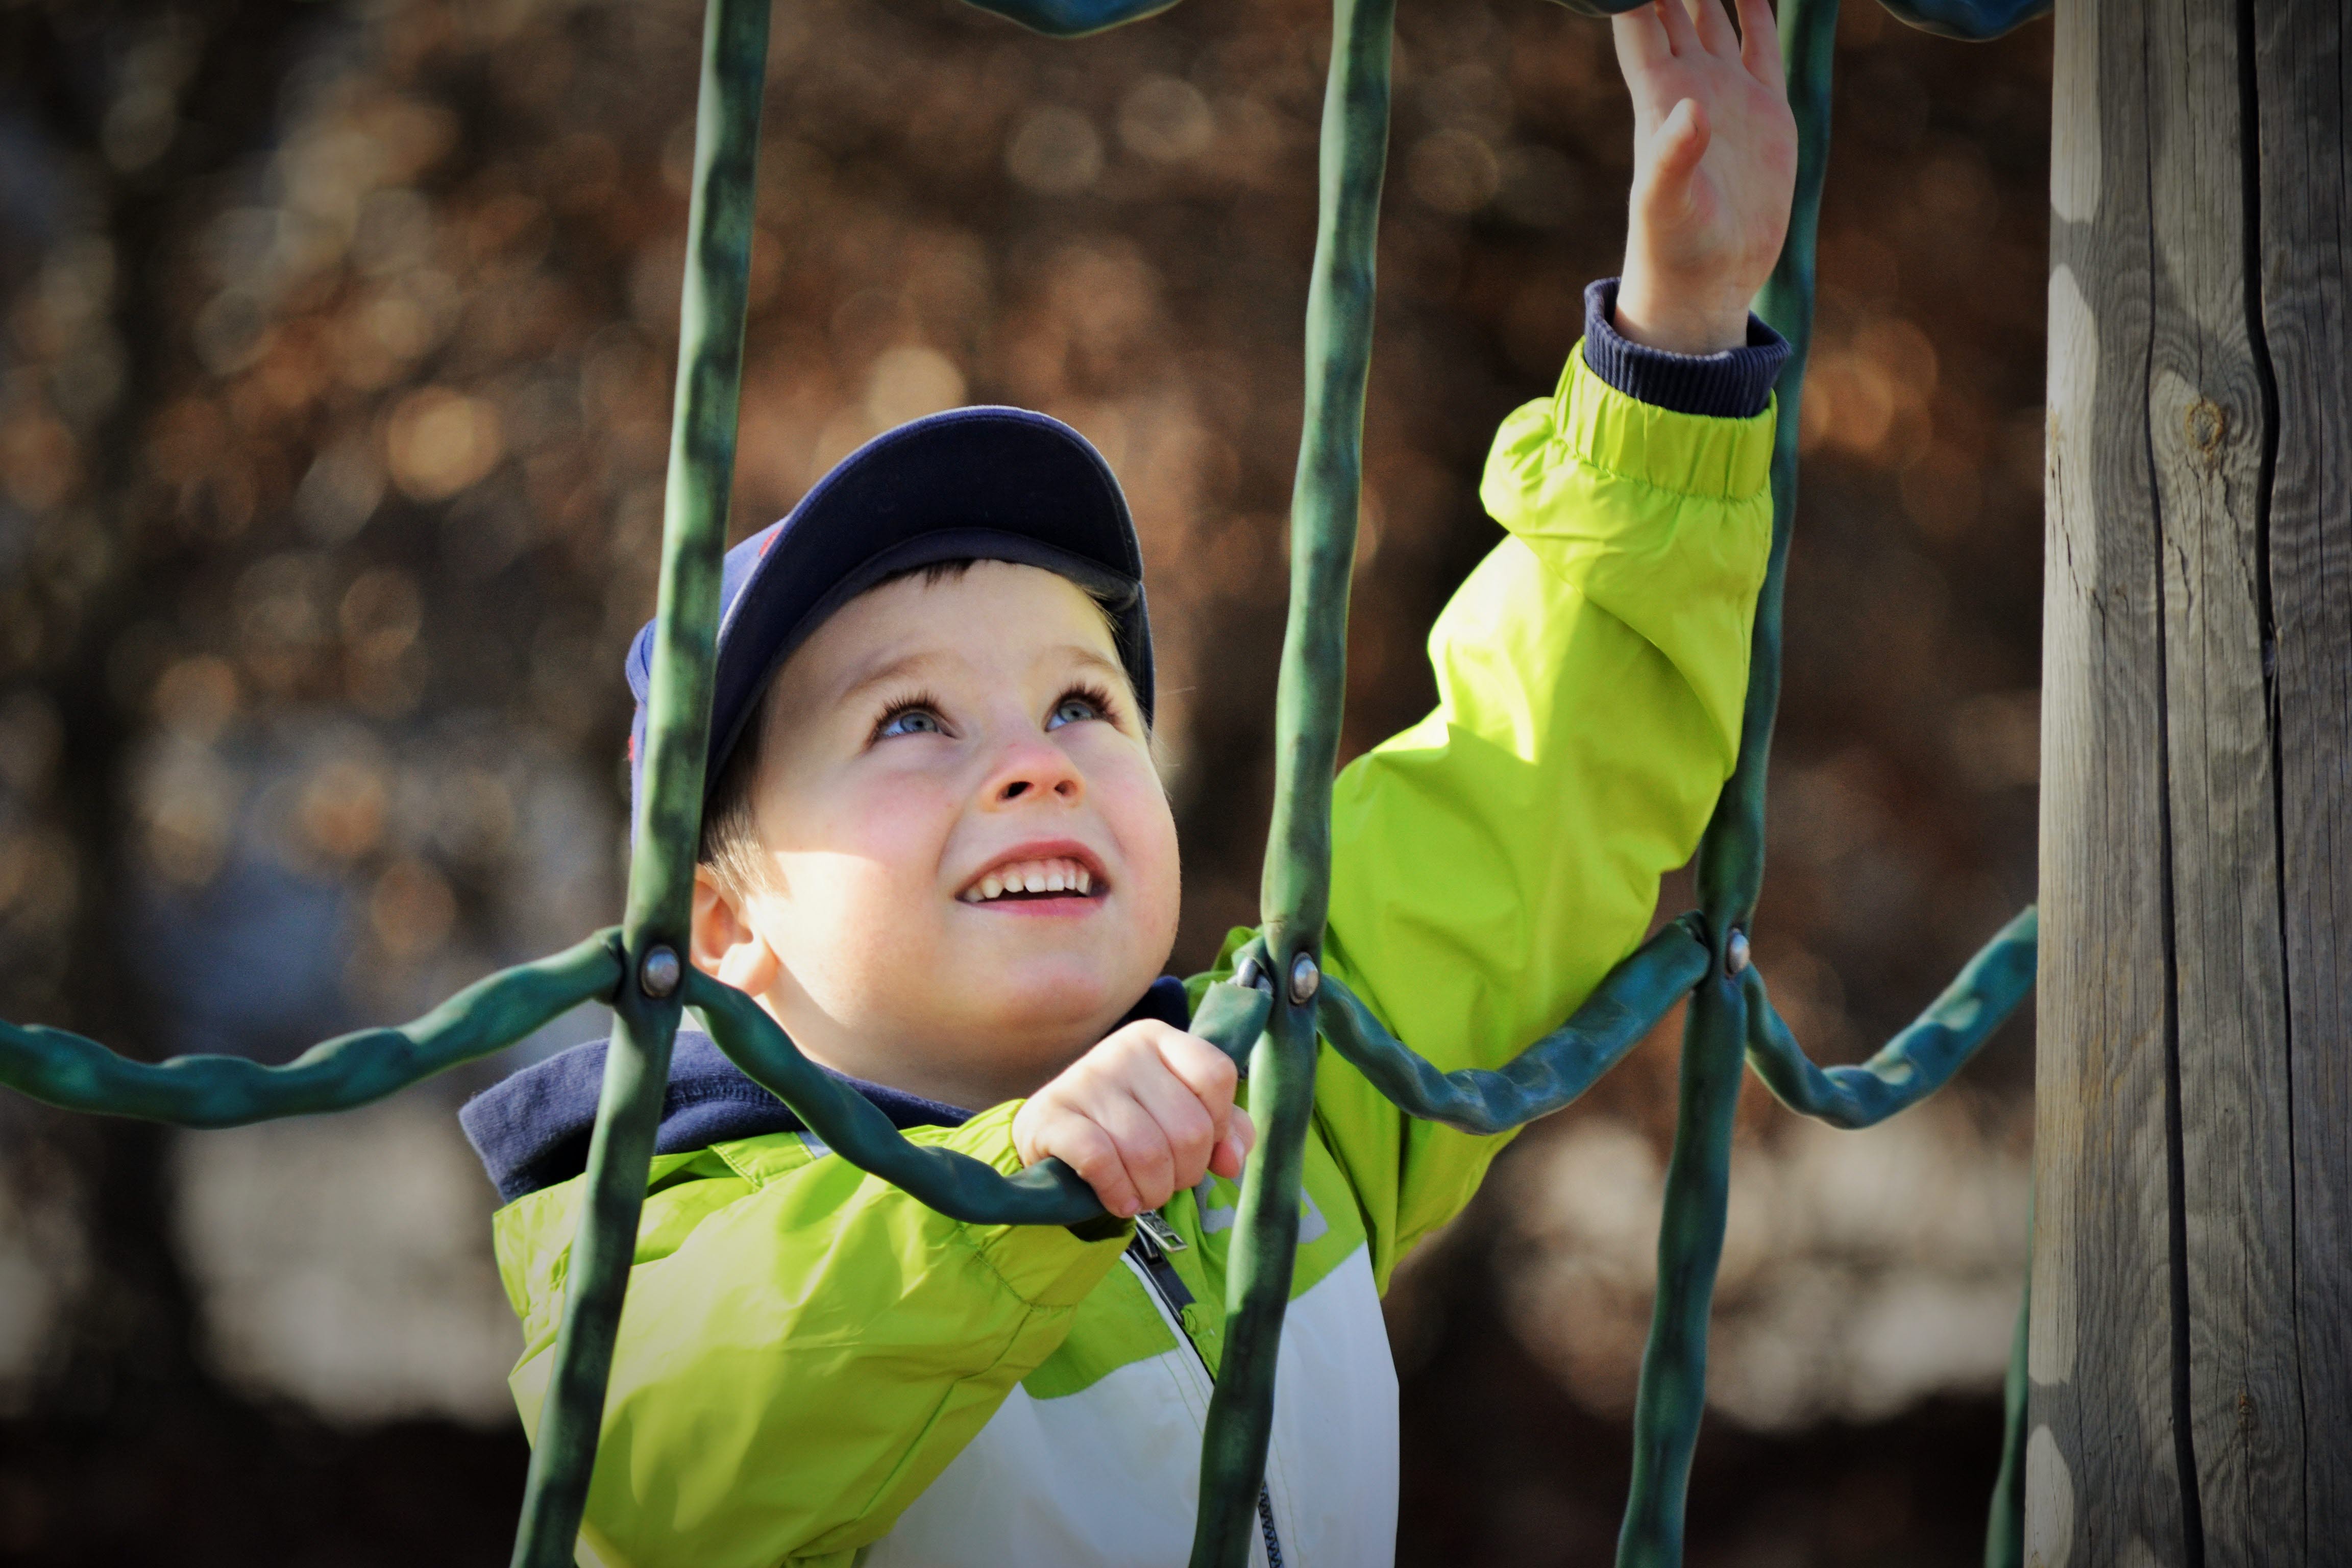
(1733, 385)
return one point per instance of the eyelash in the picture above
(913, 702)
(1097, 695)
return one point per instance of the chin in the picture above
(1054, 992)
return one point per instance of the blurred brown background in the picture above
(335, 348)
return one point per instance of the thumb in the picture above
(1677, 147)
(1233, 1150)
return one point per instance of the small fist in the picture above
(1143, 1115)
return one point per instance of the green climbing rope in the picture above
(1048, 1193)
(654, 922)
(1308, 700)
(341, 1074)
(1548, 1075)
(1915, 1063)
(1272, 1013)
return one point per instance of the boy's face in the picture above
(930, 748)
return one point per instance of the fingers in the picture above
(1084, 1146)
(1211, 1077)
(1233, 1150)
(1760, 43)
(1714, 26)
(1087, 1119)
(1147, 1112)
(1147, 1150)
(1641, 41)
(1207, 1071)
(1682, 34)
(1117, 1145)
(1207, 1078)
(1187, 1134)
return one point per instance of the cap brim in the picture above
(986, 483)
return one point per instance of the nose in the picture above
(1034, 770)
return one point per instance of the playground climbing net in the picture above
(1270, 1014)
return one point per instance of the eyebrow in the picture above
(909, 666)
(1079, 654)
(900, 668)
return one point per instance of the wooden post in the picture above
(2191, 1331)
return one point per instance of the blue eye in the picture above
(1072, 710)
(909, 721)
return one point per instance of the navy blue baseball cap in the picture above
(988, 484)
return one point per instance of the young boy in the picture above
(936, 849)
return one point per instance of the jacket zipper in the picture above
(1155, 1238)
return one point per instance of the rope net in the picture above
(1271, 1029)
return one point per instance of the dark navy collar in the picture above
(531, 1130)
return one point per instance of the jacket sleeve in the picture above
(1492, 863)
(803, 1348)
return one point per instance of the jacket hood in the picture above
(531, 1130)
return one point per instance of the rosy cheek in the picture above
(870, 822)
(1136, 809)
(898, 822)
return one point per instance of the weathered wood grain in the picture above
(2101, 1483)
(2192, 1325)
(2206, 423)
(2302, 81)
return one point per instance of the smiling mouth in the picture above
(1030, 881)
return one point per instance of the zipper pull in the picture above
(1151, 1222)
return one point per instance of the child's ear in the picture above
(727, 946)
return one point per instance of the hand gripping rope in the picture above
(1272, 1027)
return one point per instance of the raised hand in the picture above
(1715, 165)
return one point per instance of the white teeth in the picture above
(1061, 876)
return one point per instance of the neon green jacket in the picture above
(816, 1369)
